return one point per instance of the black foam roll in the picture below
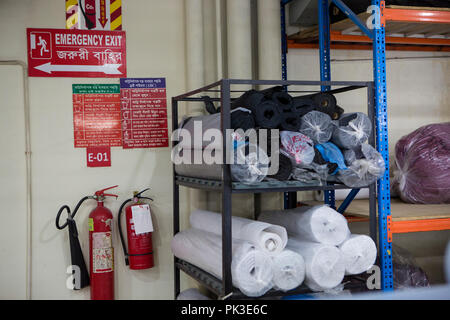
(267, 115)
(267, 144)
(283, 100)
(250, 99)
(284, 169)
(291, 122)
(302, 105)
(242, 120)
(269, 92)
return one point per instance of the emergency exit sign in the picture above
(76, 53)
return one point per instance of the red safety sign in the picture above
(96, 115)
(98, 156)
(76, 53)
(144, 112)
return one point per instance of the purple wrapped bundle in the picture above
(423, 165)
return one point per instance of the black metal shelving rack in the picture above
(224, 288)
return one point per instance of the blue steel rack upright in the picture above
(377, 34)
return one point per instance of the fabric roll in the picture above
(288, 270)
(318, 126)
(365, 171)
(359, 253)
(303, 105)
(332, 154)
(250, 164)
(283, 101)
(251, 269)
(249, 99)
(291, 121)
(264, 236)
(192, 294)
(285, 168)
(267, 115)
(325, 268)
(311, 223)
(297, 146)
(241, 118)
(353, 130)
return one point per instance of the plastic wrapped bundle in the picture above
(406, 271)
(359, 253)
(352, 154)
(311, 223)
(353, 130)
(192, 294)
(297, 146)
(264, 236)
(241, 118)
(423, 165)
(325, 267)
(250, 164)
(318, 126)
(307, 175)
(288, 270)
(251, 269)
(330, 153)
(365, 171)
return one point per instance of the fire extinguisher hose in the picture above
(122, 240)
(76, 253)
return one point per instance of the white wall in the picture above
(155, 48)
(13, 185)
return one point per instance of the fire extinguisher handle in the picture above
(101, 193)
(138, 194)
(110, 195)
(122, 240)
(146, 198)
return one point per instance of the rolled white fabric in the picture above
(318, 223)
(267, 237)
(325, 267)
(288, 270)
(251, 269)
(359, 253)
(192, 294)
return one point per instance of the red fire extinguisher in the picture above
(89, 13)
(101, 251)
(140, 248)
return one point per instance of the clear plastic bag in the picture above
(318, 126)
(423, 165)
(353, 130)
(298, 147)
(251, 164)
(307, 175)
(353, 154)
(365, 171)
